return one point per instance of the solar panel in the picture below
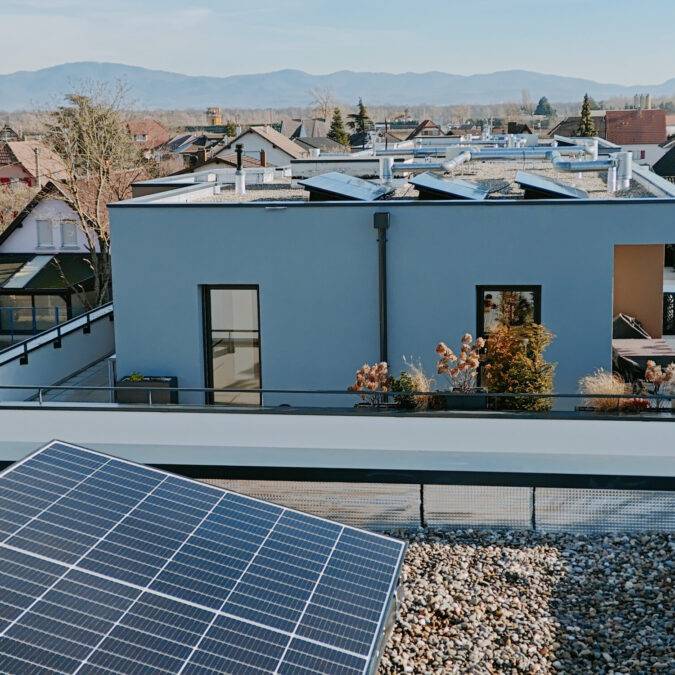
(339, 186)
(542, 187)
(110, 567)
(434, 187)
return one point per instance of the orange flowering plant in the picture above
(371, 381)
(462, 369)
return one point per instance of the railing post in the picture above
(40, 396)
(149, 396)
(57, 342)
(23, 359)
(87, 326)
(34, 319)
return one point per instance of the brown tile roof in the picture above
(634, 127)
(154, 132)
(568, 127)
(275, 138)
(424, 124)
(23, 153)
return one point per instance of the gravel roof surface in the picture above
(524, 602)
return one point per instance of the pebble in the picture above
(480, 601)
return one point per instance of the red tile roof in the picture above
(23, 153)
(635, 127)
(155, 134)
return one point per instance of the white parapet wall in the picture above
(483, 444)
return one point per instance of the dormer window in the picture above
(45, 234)
(140, 138)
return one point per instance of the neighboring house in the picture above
(43, 256)
(279, 150)
(19, 163)
(149, 135)
(196, 148)
(8, 134)
(569, 126)
(425, 128)
(670, 125)
(517, 128)
(311, 127)
(321, 143)
(643, 132)
(226, 159)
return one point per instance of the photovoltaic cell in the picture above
(336, 185)
(111, 567)
(543, 187)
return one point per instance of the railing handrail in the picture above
(46, 337)
(331, 392)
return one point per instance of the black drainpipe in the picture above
(381, 224)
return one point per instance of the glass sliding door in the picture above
(232, 340)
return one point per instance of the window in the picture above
(45, 234)
(507, 306)
(140, 138)
(69, 234)
(232, 340)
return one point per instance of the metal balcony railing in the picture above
(345, 401)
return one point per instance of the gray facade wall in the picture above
(316, 265)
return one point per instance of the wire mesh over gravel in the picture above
(524, 602)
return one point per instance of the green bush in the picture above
(400, 385)
(515, 363)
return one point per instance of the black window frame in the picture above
(535, 289)
(207, 329)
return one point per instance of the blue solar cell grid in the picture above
(111, 567)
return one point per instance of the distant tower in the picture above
(214, 117)
(648, 101)
(636, 101)
(642, 101)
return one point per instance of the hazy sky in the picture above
(622, 41)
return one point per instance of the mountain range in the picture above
(289, 88)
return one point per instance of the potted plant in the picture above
(372, 383)
(462, 373)
(134, 389)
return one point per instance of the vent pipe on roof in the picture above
(624, 171)
(611, 180)
(386, 170)
(239, 176)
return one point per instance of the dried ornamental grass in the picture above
(602, 382)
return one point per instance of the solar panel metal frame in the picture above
(547, 186)
(303, 647)
(448, 189)
(343, 186)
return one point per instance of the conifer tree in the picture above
(586, 126)
(337, 129)
(359, 121)
(544, 107)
